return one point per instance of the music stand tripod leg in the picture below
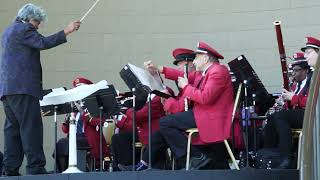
(100, 138)
(55, 139)
(149, 130)
(133, 129)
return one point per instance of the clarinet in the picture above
(186, 100)
(282, 53)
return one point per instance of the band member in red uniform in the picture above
(63, 143)
(211, 92)
(278, 129)
(311, 50)
(91, 127)
(122, 142)
(182, 57)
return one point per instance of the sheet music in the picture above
(61, 96)
(144, 76)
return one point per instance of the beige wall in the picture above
(122, 31)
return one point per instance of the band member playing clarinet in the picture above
(182, 57)
(278, 129)
(21, 88)
(212, 95)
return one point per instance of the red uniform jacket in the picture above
(174, 105)
(92, 133)
(142, 119)
(213, 101)
(299, 100)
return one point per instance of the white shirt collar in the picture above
(303, 83)
(205, 70)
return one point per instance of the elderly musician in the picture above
(211, 93)
(311, 50)
(21, 88)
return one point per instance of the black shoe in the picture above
(285, 163)
(199, 162)
(5, 174)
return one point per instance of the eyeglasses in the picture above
(296, 70)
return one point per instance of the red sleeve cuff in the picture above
(294, 100)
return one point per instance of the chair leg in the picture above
(188, 151)
(299, 150)
(173, 163)
(141, 151)
(231, 154)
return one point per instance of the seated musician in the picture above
(88, 134)
(311, 50)
(278, 128)
(91, 127)
(210, 90)
(182, 57)
(122, 142)
(63, 143)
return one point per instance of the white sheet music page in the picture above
(74, 94)
(144, 76)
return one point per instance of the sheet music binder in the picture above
(142, 80)
(105, 98)
(242, 70)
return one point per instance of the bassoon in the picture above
(282, 53)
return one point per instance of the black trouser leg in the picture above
(158, 149)
(270, 134)
(13, 151)
(172, 128)
(24, 112)
(122, 149)
(284, 121)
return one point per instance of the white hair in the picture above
(31, 12)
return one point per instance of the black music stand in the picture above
(103, 104)
(54, 110)
(243, 71)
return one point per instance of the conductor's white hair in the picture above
(31, 12)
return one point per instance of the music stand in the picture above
(103, 104)
(54, 110)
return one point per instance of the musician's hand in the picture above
(152, 68)
(287, 95)
(182, 82)
(80, 109)
(73, 26)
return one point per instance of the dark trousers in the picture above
(158, 151)
(63, 150)
(23, 134)
(172, 135)
(121, 148)
(277, 132)
(172, 129)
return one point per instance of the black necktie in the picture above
(298, 88)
